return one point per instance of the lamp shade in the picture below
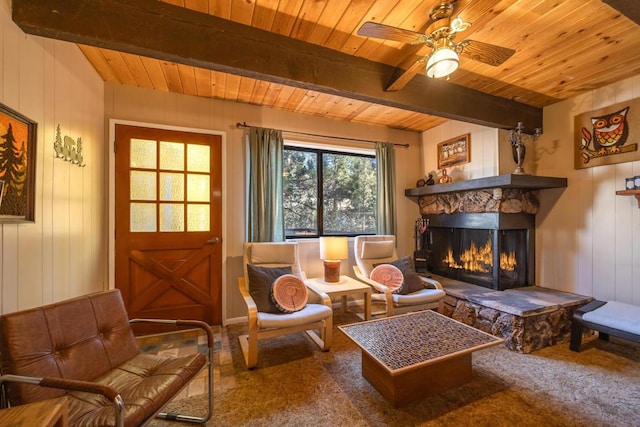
(333, 248)
(442, 62)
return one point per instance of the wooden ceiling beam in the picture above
(163, 31)
(629, 8)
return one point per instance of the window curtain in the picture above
(265, 219)
(386, 180)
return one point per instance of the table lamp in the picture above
(332, 250)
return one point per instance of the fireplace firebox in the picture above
(490, 249)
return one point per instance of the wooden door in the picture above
(168, 192)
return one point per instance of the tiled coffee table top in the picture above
(415, 339)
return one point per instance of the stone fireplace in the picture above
(482, 231)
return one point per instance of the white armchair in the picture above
(380, 249)
(316, 316)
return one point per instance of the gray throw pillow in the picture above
(412, 281)
(260, 281)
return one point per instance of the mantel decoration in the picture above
(68, 149)
(17, 166)
(454, 151)
(517, 138)
(608, 135)
(444, 178)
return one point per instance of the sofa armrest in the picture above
(210, 342)
(74, 385)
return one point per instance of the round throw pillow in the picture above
(289, 293)
(389, 275)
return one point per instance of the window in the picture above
(328, 193)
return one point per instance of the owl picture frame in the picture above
(607, 135)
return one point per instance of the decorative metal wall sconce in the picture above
(68, 149)
(517, 139)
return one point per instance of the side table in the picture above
(346, 286)
(46, 413)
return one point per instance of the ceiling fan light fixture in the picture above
(442, 62)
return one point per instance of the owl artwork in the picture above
(610, 133)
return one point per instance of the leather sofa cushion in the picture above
(89, 338)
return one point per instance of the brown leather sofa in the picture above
(84, 349)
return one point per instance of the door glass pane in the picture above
(198, 158)
(142, 185)
(197, 217)
(171, 155)
(143, 217)
(171, 217)
(143, 153)
(197, 188)
(172, 187)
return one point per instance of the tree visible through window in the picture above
(328, 193)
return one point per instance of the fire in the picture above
(473, 259)
(508, 261)
(479, 259)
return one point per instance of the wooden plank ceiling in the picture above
(562, 48)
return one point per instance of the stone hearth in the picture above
(528, 318)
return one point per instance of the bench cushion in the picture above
(616, 315)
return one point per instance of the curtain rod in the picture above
(245, 125)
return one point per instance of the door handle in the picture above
(213, 241)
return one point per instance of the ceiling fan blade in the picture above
(486, 53)
(387, 32)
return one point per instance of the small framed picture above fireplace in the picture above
(454, 151)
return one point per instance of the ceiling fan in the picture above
(443, 58)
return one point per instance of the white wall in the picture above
(62, 254)
(587, 238)
(484, 150)
(148, 106)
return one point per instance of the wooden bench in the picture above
(608, 318)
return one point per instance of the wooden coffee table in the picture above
(413, 355)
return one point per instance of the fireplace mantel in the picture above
(509, 181)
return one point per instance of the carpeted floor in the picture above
(295, 384)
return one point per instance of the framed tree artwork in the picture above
(17, 166)
(454, 151)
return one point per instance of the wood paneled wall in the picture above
(62, 254)
(587, 238)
